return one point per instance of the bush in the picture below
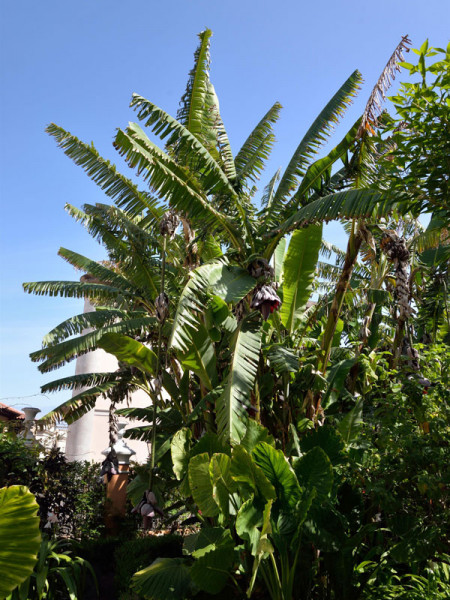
(70, 490)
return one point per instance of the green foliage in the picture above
(19, 536)
(133, 555)
(70, 491)
(56, 574)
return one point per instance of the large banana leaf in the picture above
(130, 351)
(315, 136)
(188, 146)
(200, 356)
(231, 414)
(350, 204)
(256, 149)
(172, 182)
(58, 354)
(80, 404)
(193, 113)
(90, 320)
(20, 538)
(103, 173)
(231, 284)
(298, 273)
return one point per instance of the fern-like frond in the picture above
(103, 173)
(59, 354)
(316, 135)
(257, 147)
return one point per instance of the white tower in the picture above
(88, 436)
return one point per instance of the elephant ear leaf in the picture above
(164, 579)
(20, 538)
(314, 470)
(180, 449)
(278, 471)
(211, 571)
(201, 485)
(298, 273)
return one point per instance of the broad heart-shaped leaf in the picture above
(201, 485)
(129, 351)
(278, 471)
(180, 448)
(254, 434)
(210, 443)
(223, 484)
(327, 438)
(351, 424)
(230, 406)
(200, 356)
(164, 579)
(249, 477)
(298, 273)
(211, 571)
(248, 519)
(208, 538)
(20, 538)
(314, 470)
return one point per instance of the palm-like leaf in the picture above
(59, 354)
(257, 147)
(88, 320)
(172, 181)
(298, 273)
(189, 150)
(231, 406)
(192, 113)
(103, 173)
(316, 135)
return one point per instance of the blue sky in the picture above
(77, 63)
